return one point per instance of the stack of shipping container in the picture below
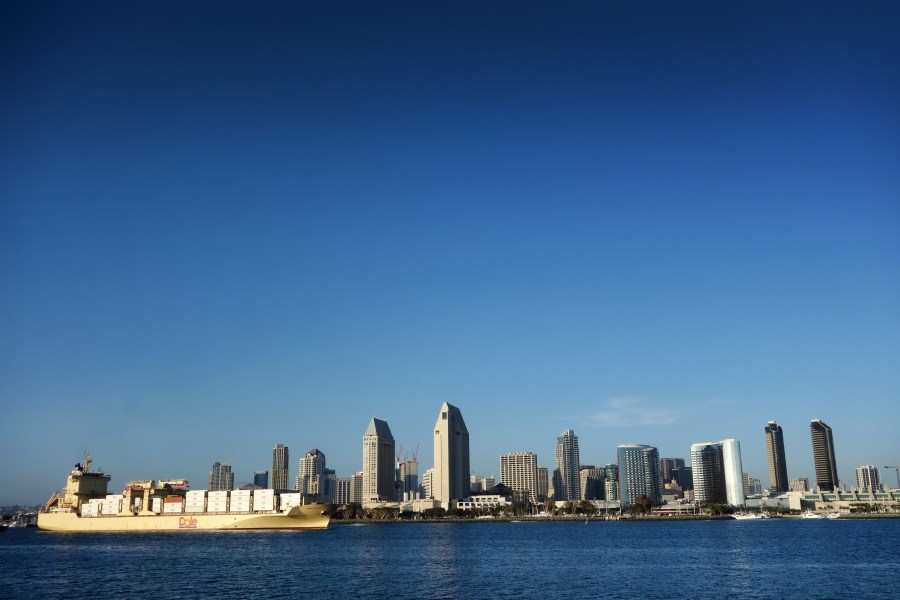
(195, 501)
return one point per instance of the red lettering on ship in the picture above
(187, 523)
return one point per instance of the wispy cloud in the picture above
(632, 412)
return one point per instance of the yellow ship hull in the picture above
(308, 516)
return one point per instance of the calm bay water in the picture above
(758, 559)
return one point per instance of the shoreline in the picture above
(575, 519)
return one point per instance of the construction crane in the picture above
(896, 467)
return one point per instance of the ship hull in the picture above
(309, 516)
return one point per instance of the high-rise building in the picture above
(568, 463)
(427, 488)
(798, 484)
(342, 490)
(261, 478)
(480, 483)
(327, 486)
(592, 483)
(378, 463)
(667, 467)
(543, 483)
(823, 455)
(356, 488)
(867, 478)
(408, 478)
(519, 472)
(734, 472)
(611, 485)
(638, 473)
(311, 475)
(450, 480)
(708, 466)
(778, 478)
(221, 478)
(280, 467)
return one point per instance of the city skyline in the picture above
(246, 225)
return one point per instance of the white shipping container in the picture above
(194, 508)
(156, 504)
(216, 509)
(263, 503)
(172, 507)
(240, 506)
(196, 494)
(88, 510)
(217, 495)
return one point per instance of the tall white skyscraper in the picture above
(280, 468)
(311, 475)
(378, 462)
(734, 472)
(519, 472)
(427, 488)
(568, 465)
(356, 488)
(450, 480)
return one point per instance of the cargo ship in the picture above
(168, 505)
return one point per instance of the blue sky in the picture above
(226, 226)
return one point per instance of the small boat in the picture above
(808, 514)
(742, 516)
(833, 515)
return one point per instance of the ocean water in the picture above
(667, 559)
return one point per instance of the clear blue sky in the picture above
(225, 226)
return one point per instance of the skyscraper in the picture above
(611, 485)
(311, 475)
(708, 468)
(543, 483)
(261, 478)
(638, 473)
(280, 467)
(867, 478)
(221, 478)
(519, 472)
(592, 483)
(668, 466)
(342, 486)
(356, 488)
(450, 480)
(823, 455)
(778, 478)
(568, 463)
(378, 462)
(734, 472)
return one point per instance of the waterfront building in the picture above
(221, 478)
(611, 483)
(427, 491)
(684, 476)
(734, 469)
(356, 488)
(280, 467)
(378, 463)
(480, 483)
(519, 472)
(638, 473)
(708, 467)
(261, 479)
(823, 455)
(342, 490)
(798, 484)
(867, 478)
(567, 463)
(543, 483)
(592, 482)
(778, 478)
(451, 478)
(311, 475)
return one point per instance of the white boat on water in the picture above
(742, 516)
(808, 514)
